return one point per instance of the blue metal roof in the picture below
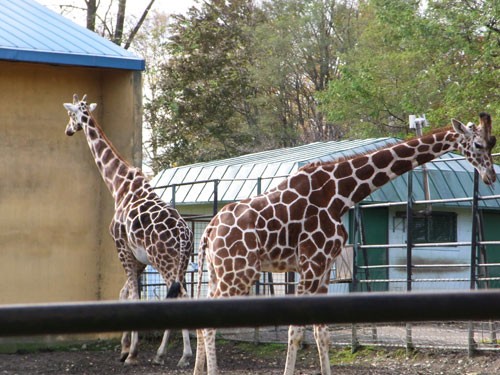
(450, 176)
(30, 32)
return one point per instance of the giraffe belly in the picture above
(279, 260)
(141, 255)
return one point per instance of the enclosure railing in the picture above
(93, 317)
(287, 285)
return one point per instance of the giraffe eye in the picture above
(479, 146)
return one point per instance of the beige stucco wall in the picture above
(54, 207)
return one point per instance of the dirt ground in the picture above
(241, 358)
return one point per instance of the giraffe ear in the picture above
(70, 107)
(92, 106)
(460, 128)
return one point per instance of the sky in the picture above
(134, 7)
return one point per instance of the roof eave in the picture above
(64, 58)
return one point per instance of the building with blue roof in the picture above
(30, 32)
(55, 207)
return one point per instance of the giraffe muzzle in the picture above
(488, 177)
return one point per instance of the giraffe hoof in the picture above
(183, 362)
(131, 361)
(123, 356)
(157, 360)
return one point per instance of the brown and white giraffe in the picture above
(297, 225)
(145, 229)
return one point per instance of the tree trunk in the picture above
(91, 14)
(120, 21)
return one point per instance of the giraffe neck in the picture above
(118, 175)
(354, 179)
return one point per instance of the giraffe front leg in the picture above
(134, 336)
(201, 355)
(125, 346)
(160, 353)
(125, 341)
(134, 349)
(295, 334)
(187, 351)
(322, 337)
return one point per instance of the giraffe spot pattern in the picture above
(145, 229)
(297, 226)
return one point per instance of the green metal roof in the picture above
(238, 178)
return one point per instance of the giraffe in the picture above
(297, 227)
(145, 229)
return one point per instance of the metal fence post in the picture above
(216, 197)
(473, 246)
(256, 332)
(471, 344)
(356, 242)
(409, 263)
(173, 195)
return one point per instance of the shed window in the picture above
(434, 227)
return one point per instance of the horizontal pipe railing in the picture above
(429, 244)
(92, 317)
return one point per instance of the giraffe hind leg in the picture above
(295, 335)
(199, 365)
(175, 290)
(209, 339)
(322, 337)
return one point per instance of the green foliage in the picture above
(244, 77)
(439, 57)
(205, 86)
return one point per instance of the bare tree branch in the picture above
(138, 25)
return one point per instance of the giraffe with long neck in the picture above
(297, 226)
(145, 229)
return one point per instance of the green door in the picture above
(376, 231)
(491, 226)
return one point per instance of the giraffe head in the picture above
(79, 114)
(476, 143)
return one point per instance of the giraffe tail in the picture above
(185, 247)
(174, 290)
(201, 260)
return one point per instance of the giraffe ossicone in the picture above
(297, 226)
(145, 229)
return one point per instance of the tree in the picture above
(205, 84)
(151, 43)
(297, 53)
(242, 78)
(471, 47)
(440, 59)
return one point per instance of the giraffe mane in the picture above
(341, 159)
(107, 140)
